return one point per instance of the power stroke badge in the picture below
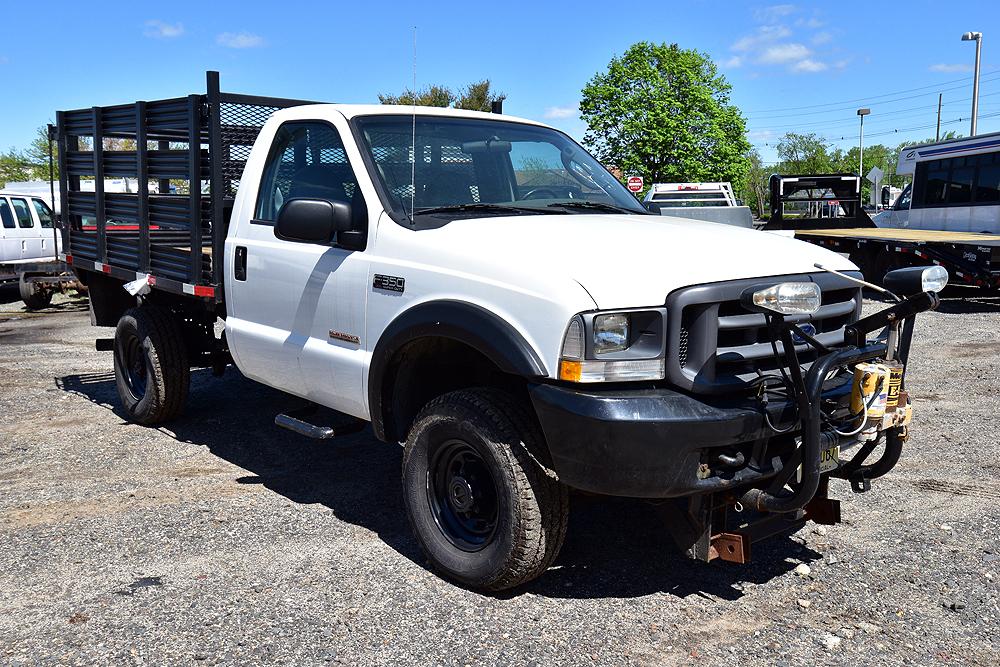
(389, 283)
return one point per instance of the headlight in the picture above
(785, 298)
(610, 333)
(614, 347)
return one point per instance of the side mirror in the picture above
(312, 220)
(916, 279)
(885, 196)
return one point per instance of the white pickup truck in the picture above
(486, 294)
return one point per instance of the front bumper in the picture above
(647, 443)
(664, 443)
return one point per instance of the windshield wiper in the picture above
(595, 206)
(476, 208)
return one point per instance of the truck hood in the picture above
(629, 261)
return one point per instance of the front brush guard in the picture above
(808, 392)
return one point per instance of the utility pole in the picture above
(976, 37)
(861, 142)
(937, 133)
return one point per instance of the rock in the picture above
(945, 527)
(803, 603)
(802, 570)
(846, 633)
(819, 530)
(831, 642)
(868, 628)
(954, 605)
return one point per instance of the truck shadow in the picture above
(615, 547)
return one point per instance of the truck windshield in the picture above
(468, 167)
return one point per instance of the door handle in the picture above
(240, 267)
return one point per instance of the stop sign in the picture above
(635, 183)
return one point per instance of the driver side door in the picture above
(296, 318)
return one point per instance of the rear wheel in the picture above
(34, 295)
(485, 511)
(151, 365)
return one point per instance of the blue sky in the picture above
(801, 67)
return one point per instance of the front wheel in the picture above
(485, 511)
(151, 365)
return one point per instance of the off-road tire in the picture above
(533, 506)
(34, 296)
(161, 351)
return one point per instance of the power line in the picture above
(875, 97)
(868, 100)
(877, 118)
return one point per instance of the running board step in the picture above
(295, 421)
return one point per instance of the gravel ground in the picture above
(223, 540)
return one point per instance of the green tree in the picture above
(755, 189)
(804, 154)
(13, 167)
(478, 96)
(431, 96)
(663, 112)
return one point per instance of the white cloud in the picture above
(239, 40)
(808, 65)
(779, 54)
(822, 38)
(732, 63)
(773, 13)
(162, 29)
(810, 23)
(561, 112)
(764, 34)
(951, 67)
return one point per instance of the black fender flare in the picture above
(484, 331)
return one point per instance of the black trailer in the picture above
(827, 210)
(187, 155)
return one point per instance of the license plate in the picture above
(829, 459)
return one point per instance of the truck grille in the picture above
(716, 346)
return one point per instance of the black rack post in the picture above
(63, 143)
(216, 185)
(102, 236)
(194, 185)
(142, 175)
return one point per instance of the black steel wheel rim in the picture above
(462, 495)
(132, 361)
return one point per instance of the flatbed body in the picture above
(903, 235)
(826, 210)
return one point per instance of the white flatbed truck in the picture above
(391, 264)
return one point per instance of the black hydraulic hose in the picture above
(886, 462)
(809, 395)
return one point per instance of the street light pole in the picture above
(861, 142)
(977, 37)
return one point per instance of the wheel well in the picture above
(426, 368)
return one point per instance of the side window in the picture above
(24, 219)
(6, 215)
(307, 160)
(43, 212)
(988, 186)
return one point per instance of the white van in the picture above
(26, 229)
